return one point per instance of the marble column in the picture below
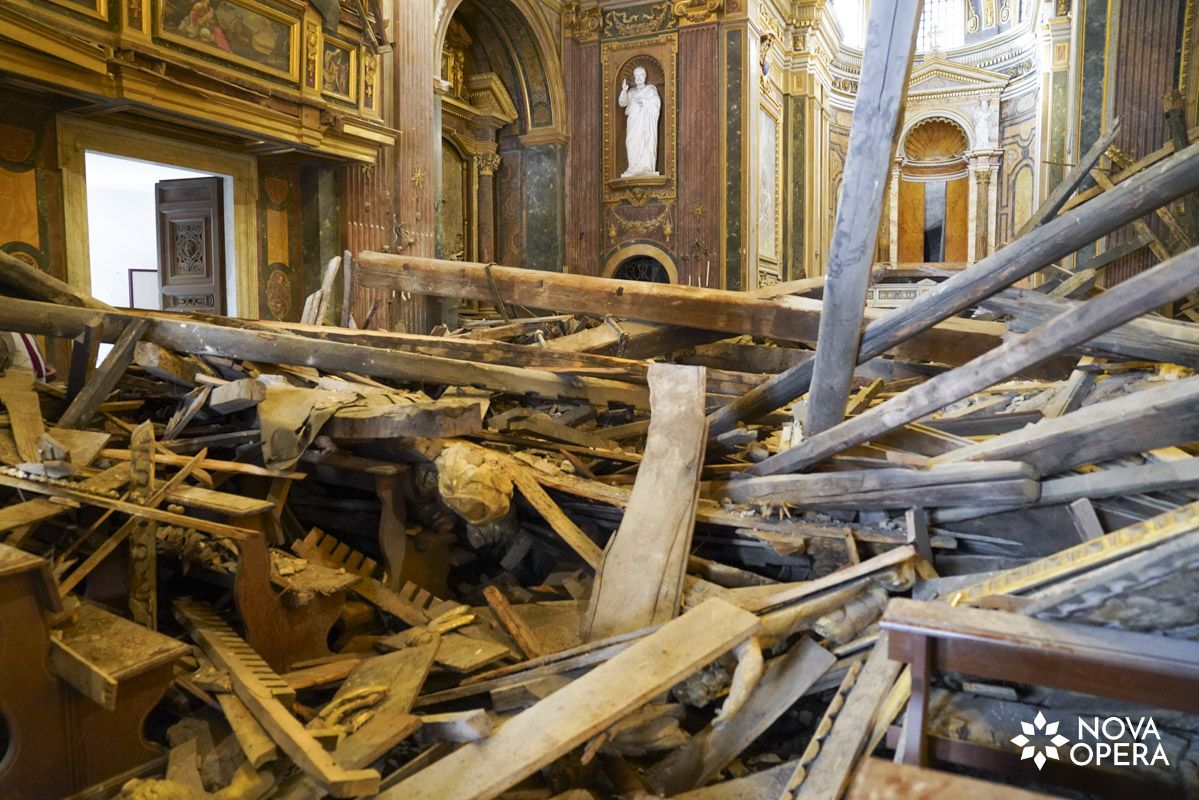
(487, 164)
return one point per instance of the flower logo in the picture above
(1038, 727)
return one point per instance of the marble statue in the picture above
(982, 124)
(641, 105)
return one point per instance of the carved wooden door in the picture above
(191, 244)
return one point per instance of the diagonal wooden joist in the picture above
(1162, 183)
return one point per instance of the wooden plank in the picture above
(1164, 416)
(1086, 521)
(186, 335)
(1088, 555)
(760, 598)
(891, 40)
(829, 775)
(786, 679)
(29, 281)
(207, 464)
(640, 578)
(590, 704)
(562, 524)
(828, 488)
(524, 637)
(166, 365)
(1149, 337)
(788, 318)
(1156, 186)
(211, 633)
(439, 419)
(104, 378)
(1164, 283)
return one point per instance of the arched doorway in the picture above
(934, 191)
(501, 191)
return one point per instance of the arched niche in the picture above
(934, 192)
(634, 255)
(655, 74)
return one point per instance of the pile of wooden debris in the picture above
(619, 539)
(505, 561)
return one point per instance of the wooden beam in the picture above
(789, 318)
(1059, 237)
(1149, 337)
(1164, 283)
(186, 335)
(640, 579)
(588, 705)
(1164, 415)
(104, 379)
(890, 40)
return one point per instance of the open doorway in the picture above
(159, 233)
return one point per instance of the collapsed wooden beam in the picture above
(890, 38)
(186, 335)
(1164, 283)
(789, 318)
(1156, 186)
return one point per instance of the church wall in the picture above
(1144, 69)
(699, 236)
(30, 184)
(584, 239)
(1018, 141)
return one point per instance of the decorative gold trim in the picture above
(582, 25)
(696, 12)
(98, 10)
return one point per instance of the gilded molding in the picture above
(696, 12)
(584, 25)
(636, 21)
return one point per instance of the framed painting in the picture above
(241, 32)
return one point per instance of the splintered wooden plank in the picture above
(590, 704)
(260, 689)
(786, 679)
(104, 379)
(1059, 237)
(40, 509)
(830, 489)
(1163, 284)
(890, 40)
(282, 347)
(640, 578)
(435, 419)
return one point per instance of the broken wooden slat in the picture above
(640, 578)
(1164, 416)
(829, 774)
(257, 746)
(578, 711)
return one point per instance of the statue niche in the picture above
(639, 120)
